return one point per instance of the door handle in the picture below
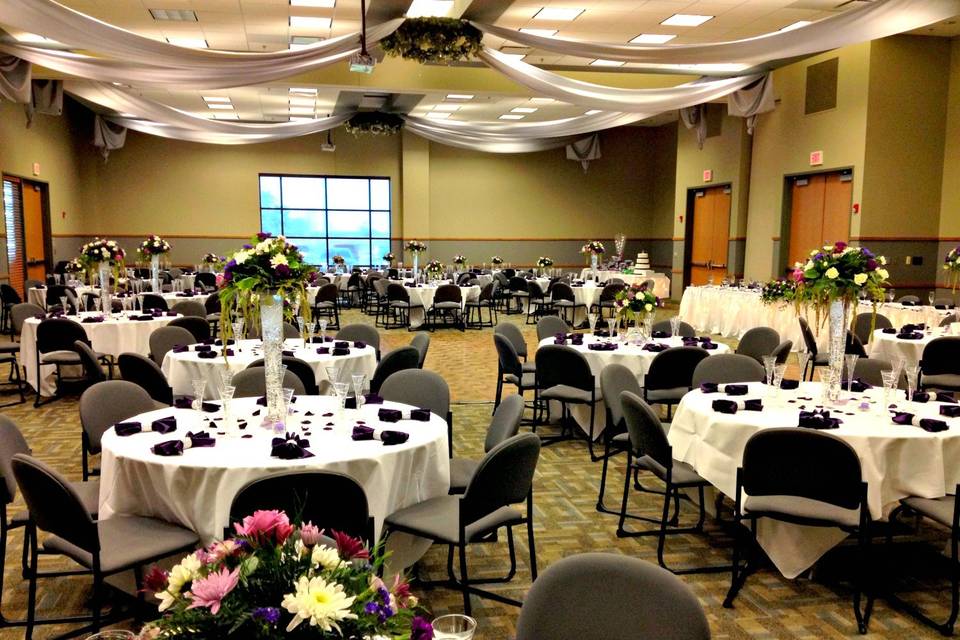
(700, 264)
(720, 266)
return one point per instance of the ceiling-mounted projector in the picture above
(362, 63)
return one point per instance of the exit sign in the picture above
(816, 158)
(707, 175)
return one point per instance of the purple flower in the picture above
(421, 629)
(269, 615)
(867, 253)
(839, 247)
(818, 257)
(282, 270)
(263, 236)
(872, 265)
(248, 246)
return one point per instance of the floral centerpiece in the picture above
(99, 251)
(338, 259)
(779, 290)
(416, 248)
(434, 268)
(434, 39)
(374, 122)
(636, 303)
(212, 260)
(460, 260)
(951, 264)
(73, 266)
(277, 580)
(544, 262)
(593, 248)
(389, 258)
(496, 260)
(153, 245)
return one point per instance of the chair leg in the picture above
(737, 576)
(32, 588)
(862, 583)
(603, 476)
(530, 540)
(464, 582)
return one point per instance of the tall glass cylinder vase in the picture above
(155, 273)
(271, 328)
(416, 266)
(105, 300)
(593, 266)
(838, 337)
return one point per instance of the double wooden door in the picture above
(710, 235)
(819, 212)
(27, 226)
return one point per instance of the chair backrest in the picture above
(869, 370)
(421, 342)
(252, 382)
(166, 338)
(728, 367)
(212, 303)
(506, 421)
(854, 345)
(12, 442)
(54, 505)
(507, 356)
(290, 332)
(486, 293)
(512, 333)
(146, 374)
(862, 324)
(354, 281)
(199, 328)
(560, 364)
(534, 290)
(549, 326)
(92, 370)
(607, 596)
(758, 342)
(327, 293)
(54, 293)
(948, 320)
(397, 293)
(9, 295)
(943, 303)
(802, 463)
(615, 379)
(152, 301)
(380, 286)
(109, 402)
(332, 501)
(447, 293)
(685, 329)
(190, 308)
(782, 352)
(503, 477)
(518, 284)
(647, 436)
(941, 355)
(673, 368)
(610, 291)
(207, 280)
(809, 341)
(29, 283)
(562, 291)
(59, 334)
(909, 300)
(300, 367)
(22, 311)
(419, 388)
(396, 360)
(364, 332)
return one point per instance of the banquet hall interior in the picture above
(533, 319)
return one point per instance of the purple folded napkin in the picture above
(560, 340)
(338, 351)
(661, 334)
(603, 346)
(202, 347)
(167, 424)
(656, 347)
(318, 340)
(890, 330)
(39, 316)
(389, 415)
(420, 415)
(206, 354)
(729, 389)
(40, 286)
(93, 319)
(341, 344)
(200, 439)
(287, 352)
(920, 396)
(946, 396)
(171, 314)
(350, 402)
(290, 447)
(789, 384)
(372, 398)
(168, 448)
(209, 341)
(950, 410)
(706, 344)
(817, 420)
(927, 424)
(943, 307)
(219, 342)
(386, 436)
(732, 406)
(127, 428)
(323, 351)
(909, 303)
(913, 335)
(856, 385)
(180, 348)
(186, 402)
(228, 352)
(602, 333)
(145, 316)
(912, 326)
(359, 344)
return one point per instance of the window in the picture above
(329, 215)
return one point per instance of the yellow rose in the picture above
(860, 279)
(883, 274)
(832, 273)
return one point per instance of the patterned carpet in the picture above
(565, 495)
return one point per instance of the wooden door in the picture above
(710, 235)
(33, 231)
(837, 198)
(819, 213)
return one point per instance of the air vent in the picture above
(174, 15)
(713, 114)
(821, 94)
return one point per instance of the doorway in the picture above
(819, 209)
(26, 209)
(708, 234)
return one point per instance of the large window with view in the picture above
(329, 215)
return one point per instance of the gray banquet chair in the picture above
(422, 389)
(728, 367)
(910, 301)
(758, 342)
(943, 303)
(363, 332)
(940, 364)
(199, 328)
(512, 333)
(301, 368)
(861, 325)
(21, 312)
(670, 376)
(950, 319)
(421, 342)
(92, 367)
(166, 338)
(549, 326)
(869, 369)
(685, 329)
(607, 596)
(252, 383)
(817, 359)
(397, 360)
(614, 379)
(145, 373)
(190, 308)
(102, 406)
(563, 375)
(503, 426)
(782, 352)
(510, 369)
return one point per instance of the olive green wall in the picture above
(949, 228)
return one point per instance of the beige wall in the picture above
(950, 195)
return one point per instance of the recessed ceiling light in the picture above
(542, 100)
(303, 90)
(523, 109)
(310, 22)
(219, 105)
(653, 38)
(607, 63)
(459, 96)
(685, 20)
(796, 25)
(173, 15)
(302, 111)
(557, 13)
(429, 8)
(592, 112)
(302, 42)
(439, 115)
(216, 99)
(546, 33)
(511, 116)
(325, 4)
(190, 43)
(446, 107)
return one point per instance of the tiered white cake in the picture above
(642, 265)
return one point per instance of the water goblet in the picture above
(851, 361)
(358, 380)
(454, 627)
(592, 320)
(63, 304)
(778, 372)
(674, 326)
(323, 329)
(340, 389)
(226, 378)
(769, 362)
(199, 388)
(889, 384)
(930, 298)
(226, 405)
(611, 327)
(803, 357)
(237, 327)
(911, 370)
(302, 326)
(292, 417)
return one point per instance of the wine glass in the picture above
(302, 326)
(226, 404)
(340, 389)
(778, 372)
(911, 370)
(96, 304)
(237, 329)
(333, 374)
(674, 326)
(803, 357)
(930, 298)
(199, 388)
(769, 362)
(63, 304)
(889, 384)
(851, 359)
(358, 381)
(292, 418)
(592, 320)
(323, 329)
(611, 327)
(454, 627)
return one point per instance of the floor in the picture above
(565, 495)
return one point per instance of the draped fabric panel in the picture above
(490, 143)
(695, 118)
(585, 150)
(875, 20)
(751, 101)
(15, 75)
(47, 99)
(108, 136)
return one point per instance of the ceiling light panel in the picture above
(221, 106)
(542, 100)
(430, 8)
(173, 15)
(216, 99)
(545, 33)
(653, 38)
(304, 101)
(512, 116)
(685, 20)
(303, 91)
(523, 109)
(459, 96)
(592, 112)
(310, 22)
(558, 13)
(302, 111)
(607, 63)
(323, 4)
(190, 43)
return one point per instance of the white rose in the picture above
(278, 259)
(881, 260)
(883, 274)
(808, 266)
(241, 256)
(648, 307)
(325, 557)
(832, 273)
(860, 279)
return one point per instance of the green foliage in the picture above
(434, 40)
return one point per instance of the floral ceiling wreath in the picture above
(376, 122)
(434, 40)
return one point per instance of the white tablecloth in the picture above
(39, 296)
(889, 347)
(631, 356)
(115, 335)
(182, 368)
(897, 461)
(197, 488)
(424, 295)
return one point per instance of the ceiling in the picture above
(265, 25)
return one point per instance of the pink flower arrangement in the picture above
(211, 590)
(265, 527)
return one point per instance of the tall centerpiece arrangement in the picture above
(461, 261)
(103, 257)
(276, 580)
(389, 258)
(496, 261)
(594, 249)
(637, 304)
(434, 269)
(152, 248)
(415, 247)
(212, 261)
(340, 263)
(778, 291)
(262, 282)
(544, 263)
(830, 282)
(619, 244)
(951, 264)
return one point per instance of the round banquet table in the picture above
(182, 368)
(631, 356)
(195, 489)
(173, 298)
(887, 346)
(897, 461)
(661, 283)
(116, 334)
(38, 296)
(424, 295)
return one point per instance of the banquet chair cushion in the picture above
(804, 508)
(529, 367)
(659, 395)
(124, 540)
(10, 347)
(438, 518)
(528, 381)
(942, 380)
(89, 494)
(621, 439)
(60, 357)
(568, 394)
(682, 473)
(937, 509)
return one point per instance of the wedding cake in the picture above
(643, 261)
